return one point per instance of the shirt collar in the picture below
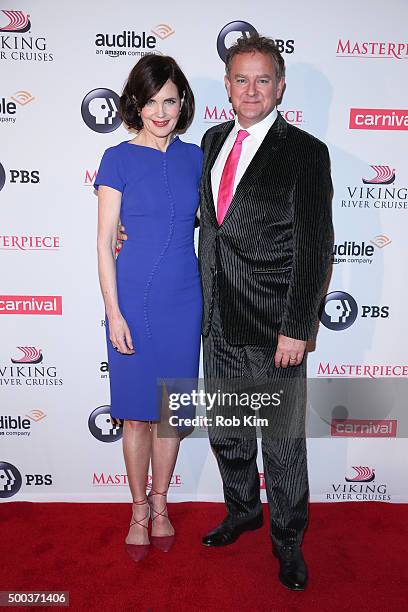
(260, 129)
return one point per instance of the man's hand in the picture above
(289, 351)
(119, 238)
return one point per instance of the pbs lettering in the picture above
(31, 304)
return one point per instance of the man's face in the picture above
(252, 87)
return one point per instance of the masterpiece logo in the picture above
(27, 371)
(358, 49)
(340, 310)
(235, 29)
(129, 42)
(360, 486)
(351, 251)
(19, 426)
(377, 192)
(359, 370)
(364, 428)
(8, 106)
(30, 243)
(16, 41)
(103, 479)
(30, 305)
(378, 119)
(89, 178)
(218, 114)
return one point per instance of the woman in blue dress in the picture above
(152, 291)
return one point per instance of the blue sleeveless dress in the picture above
(157, 275)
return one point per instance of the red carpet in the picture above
(357, 556)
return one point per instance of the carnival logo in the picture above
(17, 22)
(383, 176)
(31, 304)
(378, 119)
(103, 427)
(359, 370)
(230, 33)
(339, 311)
(30, 355)
(377, 192)
(364, 428)
(363, 474)
(100, 110)
(10, 480)
(389, 50)
(30, 243)
(16, 46)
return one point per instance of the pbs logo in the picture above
(229, 35)
(100, 110)
(10, 480)
(339, 311)
(103, 427)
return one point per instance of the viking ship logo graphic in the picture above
(363, 474)
(30, 355)
(383, 176)
(18, 22)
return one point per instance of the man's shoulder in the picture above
(303, 139)
(220, 127)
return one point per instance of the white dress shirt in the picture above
(250, 145)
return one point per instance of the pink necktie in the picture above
(226, 188)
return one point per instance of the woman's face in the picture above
(161, 113)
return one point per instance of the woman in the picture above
(152, 292)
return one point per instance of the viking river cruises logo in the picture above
(16, 41)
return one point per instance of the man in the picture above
(266, 241)
(265, 245)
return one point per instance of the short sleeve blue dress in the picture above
(157, 275)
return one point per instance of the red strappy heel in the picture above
(137, 552)
(163, 543)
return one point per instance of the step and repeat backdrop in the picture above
(63, 66)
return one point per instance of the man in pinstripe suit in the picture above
(265, 246)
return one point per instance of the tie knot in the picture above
(242, 134)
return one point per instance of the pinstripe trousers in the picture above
(247, 371)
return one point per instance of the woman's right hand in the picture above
(119, 335)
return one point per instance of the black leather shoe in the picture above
(229, 531)
(293, 569)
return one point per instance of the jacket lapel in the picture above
(211, 154)
(262, 158)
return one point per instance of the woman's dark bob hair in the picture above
(147, 78)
